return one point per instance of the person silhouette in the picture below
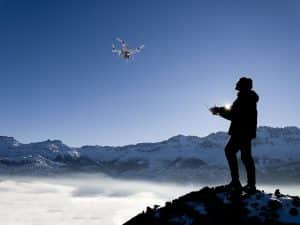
(243, 117)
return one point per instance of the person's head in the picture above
(244, 84)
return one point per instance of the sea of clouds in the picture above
(82, 199)
(79, 199)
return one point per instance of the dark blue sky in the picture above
(59, 79)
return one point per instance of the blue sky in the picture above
(59, 79)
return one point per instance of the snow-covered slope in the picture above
(276, 152)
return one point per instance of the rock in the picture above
(296, 201)
(254, 205)
(293, 212)
(274, 204)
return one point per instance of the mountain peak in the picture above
(177, 137)
(183, 138)
(6, 141)
(51, 142)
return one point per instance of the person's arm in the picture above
(221, 111)
(225, 113)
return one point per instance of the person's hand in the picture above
(214, 110)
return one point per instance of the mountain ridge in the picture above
(289, 129)
(275, 150)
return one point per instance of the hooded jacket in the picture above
(243, 115)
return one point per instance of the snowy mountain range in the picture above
(185, 158)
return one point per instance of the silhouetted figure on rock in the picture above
(243, 117)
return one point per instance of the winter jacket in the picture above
(243, 115)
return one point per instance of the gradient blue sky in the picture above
(59, 79)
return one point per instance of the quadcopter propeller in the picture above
(140, 48)
(123, 43)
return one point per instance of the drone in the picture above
(125, 52)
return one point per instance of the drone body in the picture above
(125, 52)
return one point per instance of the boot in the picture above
(234, 186)
(249, 189)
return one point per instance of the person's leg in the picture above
(248, 161)
(230, 151)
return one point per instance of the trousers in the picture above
(234, 145)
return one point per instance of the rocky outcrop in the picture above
(218, 206)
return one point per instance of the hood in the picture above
(250, 95)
